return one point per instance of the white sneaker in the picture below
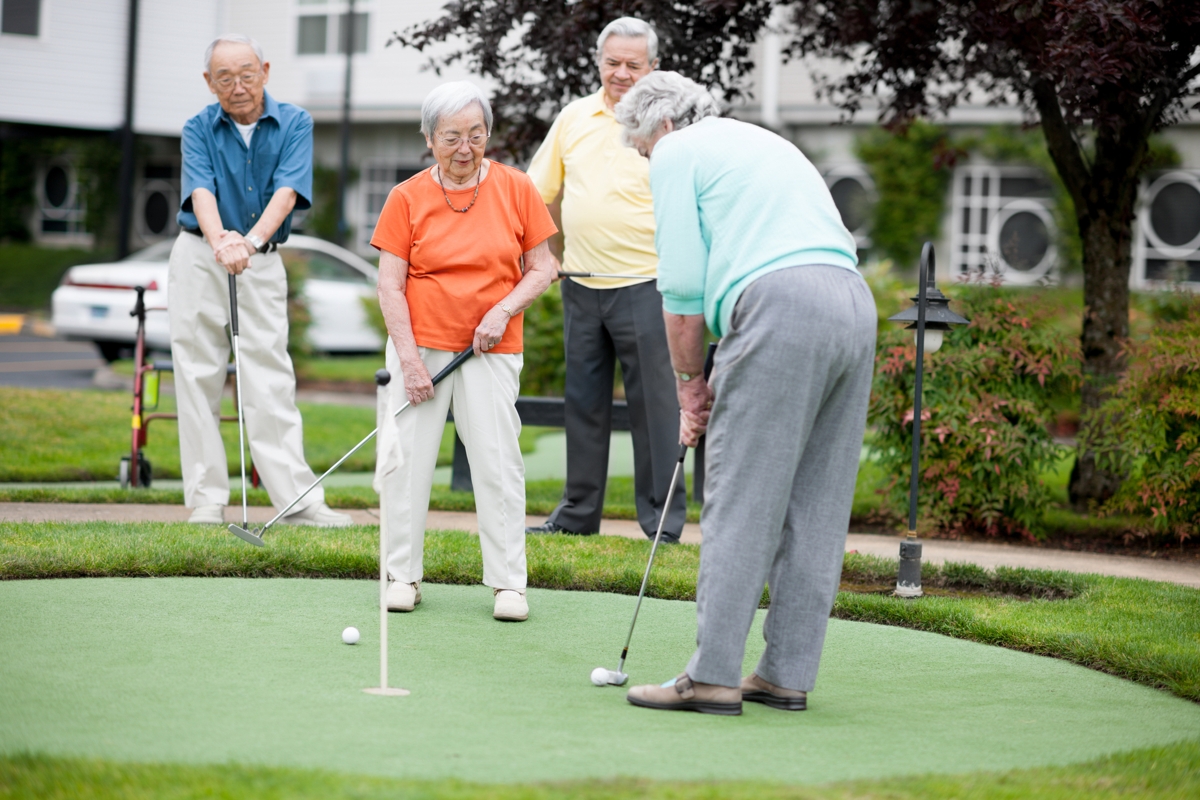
(403, 596)
(212, 514)
(318, 516)
(510, 605)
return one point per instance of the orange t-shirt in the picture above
(461, 265)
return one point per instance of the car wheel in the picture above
(111, 351)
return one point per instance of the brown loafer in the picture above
(682, 694)
(756, 690)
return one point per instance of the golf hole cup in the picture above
(350, 635)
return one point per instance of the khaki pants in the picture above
(198, 292)
(483, 394)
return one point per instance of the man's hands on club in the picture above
(233, 252)
(490, 330)
(695, 406)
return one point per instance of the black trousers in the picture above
(601, 326)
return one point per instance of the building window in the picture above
(1168, 242)
(323, 27)
(60, 202)
(20, 17)
(158, 200)
(853, 193)
(1002, 218)
(379, 178)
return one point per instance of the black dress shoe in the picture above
(667, 538)
(547, 527)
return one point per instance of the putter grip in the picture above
(453, 365)
(708, 360)
(233, 304)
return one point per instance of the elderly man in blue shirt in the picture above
(247, 164)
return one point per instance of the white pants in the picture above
(483, 394)
(198, 292)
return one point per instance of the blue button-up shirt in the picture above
(243, 179)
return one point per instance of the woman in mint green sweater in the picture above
(749, 241)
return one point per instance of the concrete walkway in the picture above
(934, 550)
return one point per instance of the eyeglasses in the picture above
(454, 141)
(247, 79)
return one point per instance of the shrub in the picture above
(1149, 428)
(985, 413)
(545, 365)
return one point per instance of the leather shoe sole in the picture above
(775, 701)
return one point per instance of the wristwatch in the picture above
(255, 242)
(684, 376)
(507, 309)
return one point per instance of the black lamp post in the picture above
(930, 318)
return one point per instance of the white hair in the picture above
(449, 99)
(232, 38)
(633, 28)
(662, 96)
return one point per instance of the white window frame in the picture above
(1147, 245)
(332, 10)
(378, 188)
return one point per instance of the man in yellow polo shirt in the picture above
(608, 222)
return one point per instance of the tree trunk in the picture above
(1107, 249)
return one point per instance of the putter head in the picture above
(616, 678)
(247, 536)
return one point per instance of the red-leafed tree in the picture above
(1100, 76)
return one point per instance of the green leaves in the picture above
(986, 410)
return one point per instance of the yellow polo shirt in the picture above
(607, 210)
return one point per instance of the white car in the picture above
(93, 301)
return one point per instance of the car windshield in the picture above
(159, 251)
(321, 266)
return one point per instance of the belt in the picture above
(268, 247)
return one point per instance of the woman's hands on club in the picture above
(695, 407)
(417, 383)
(490, 330)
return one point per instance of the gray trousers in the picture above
(792, 379)
(601, 326)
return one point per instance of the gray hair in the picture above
(632, 27)
(451, 98)
(232, 38)
(662, 96)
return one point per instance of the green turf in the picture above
(1140, 630)
(216, 670)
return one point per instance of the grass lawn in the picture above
(55, 435)
(1159, 773)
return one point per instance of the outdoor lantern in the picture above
(930, 317)
(938, 316)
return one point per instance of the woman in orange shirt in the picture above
(463, 252)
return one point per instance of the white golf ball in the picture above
(350, 635)
(600, 676)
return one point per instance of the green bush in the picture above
(1149, 428)
(985, 412)
(29, 274)
(911, 172)
(545, 367)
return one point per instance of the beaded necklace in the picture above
(465, 209)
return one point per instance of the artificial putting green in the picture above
(202, 671)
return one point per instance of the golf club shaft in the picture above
(662, 520)
(237, 376)
(562, 274)
(449, 368)
(383, 612)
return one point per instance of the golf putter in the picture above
(562, 274)
(618, 677)
(254, 535)
(237, 376)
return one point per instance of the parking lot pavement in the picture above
(31, 356)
